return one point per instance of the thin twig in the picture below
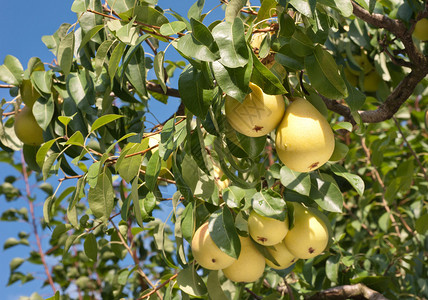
(33, 222)
(159, 287)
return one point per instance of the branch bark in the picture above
(357, 291)
(418, 63)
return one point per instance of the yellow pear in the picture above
(351, 77)
(266, 231)
(206, 252)
(304, 139)
(165, 165)
(363, 62)
(27, 129)
(221, 183)
(282, 256)
(257, 115)
(371, 82)
(257, 39)
(250, 264)
(309, 235)
(421, 30)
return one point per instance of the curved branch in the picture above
(356, 291)
(158, 89)
(418, 64)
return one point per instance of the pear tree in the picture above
(293, 164)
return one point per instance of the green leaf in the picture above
(159, 69)
(136, 70)
(11, 71)
(101, 198)
(332, 268)
(326, 194)
(215, 290)
(80, 87)
(286, 25)
(343, 125)
(15, 263)
(191, 47)
(88, 36)
(65, 53)
(76, 139)
(194, 91)
(190, 282)
(90, 246)
(11, 242)
(323, 74)
(115, 58)
(152, 171)
(48, 165)
(101, 56)
(222, 230)
(265, 79)
(230, 38)
(298, 182)
(234, 82)
(89, 20)
(136, 200)
(121, 6)
(233, 195)
(233, 9)
(356, 181)
(270, 204)
(129, 167)
(149, 15)
(43, 111)
(195, 10)
(197, 148)
(172, 28)
(103, 120)
(47, 209)
(288, 59)
(303, 7)
(42, 81)
(421, 225)
(265, 10)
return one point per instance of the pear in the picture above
(421, 30)
(282, 256)
(304, 139)
(250, 264)
(309, 235)
(371, 82)
(27, 129)
(266, 231)
(218, 177)
(207, 253)
(257, 115)
(154, 140)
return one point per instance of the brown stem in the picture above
(355, 291)
(134, 258)
(159, 287)
(157, 88)
(6, 86)
(34, 224)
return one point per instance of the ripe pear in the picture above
(257, 115)
(27, 129)
(371, 82)
(363, 62)
(421, 30)
(266, 231)
(165, 165)
(282, 256)
(207, 253)
(218, 174)
(250, 264)
(309, 236)
(304, 138)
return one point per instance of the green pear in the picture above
(27, 129)
(207, 253)
(421, 30)
(282, 256)
(266, 231)
(250, 264)
(304, 138)
(309, 235)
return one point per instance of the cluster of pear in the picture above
(304, 139)
(371, 78)
(26, 127)
(306, 239)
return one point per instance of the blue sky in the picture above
(22, 25)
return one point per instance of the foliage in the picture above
(120, 222)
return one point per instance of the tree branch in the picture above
(418, 64)
(34, 225)
(356, 291)
(151, 86)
